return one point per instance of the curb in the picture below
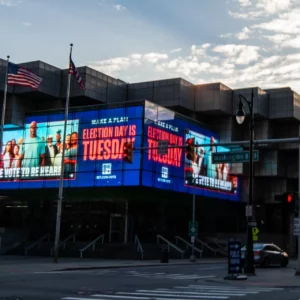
(137, 266)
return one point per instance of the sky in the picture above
(241, 43)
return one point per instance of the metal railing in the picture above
(92, 243)
(139, 246)
(37, 243)
(159, 237)
(178, 238)
(64, 242)
(222, 248)
(209, 247)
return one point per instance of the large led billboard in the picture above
(173, 171)
(93, 152)
(93, 149)
(201, 172)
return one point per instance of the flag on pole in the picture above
(19, 76)
(74, 71)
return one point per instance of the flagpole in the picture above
(61, 180)
(3, 107)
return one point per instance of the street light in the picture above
(193, 257)
(240, 117)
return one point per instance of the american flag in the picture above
(20, 76)
(74, 71)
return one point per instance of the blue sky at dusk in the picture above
(238, 42)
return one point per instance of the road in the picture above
(137, 283)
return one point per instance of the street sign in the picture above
(297, 226)
(255, 232)
(193, 228)
(162, 147)
(252, 224)
(234, 257)
(248, 210)
(233, 157)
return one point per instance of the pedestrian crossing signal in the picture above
(128, 152)
(290, 198)
(190, 149)
(290, 201)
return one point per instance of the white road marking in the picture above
(218, 291)
(190, 293)
(235, 287)
(156, 295)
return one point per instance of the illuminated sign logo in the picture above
(106, 169)
(164, 172)
(164, 175)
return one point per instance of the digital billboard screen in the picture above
(36, 152)
(201, 172)
(93, 149)
(173, 171)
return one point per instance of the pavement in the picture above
(25, 264)
(163, 282)
(33, 278)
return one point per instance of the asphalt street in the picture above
(137, 283)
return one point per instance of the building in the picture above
(153, 195)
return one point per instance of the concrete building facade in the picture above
(276, 111)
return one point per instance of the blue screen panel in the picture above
(92, 148)
(174, 171)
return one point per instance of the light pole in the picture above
(240, 117)
(193, 257)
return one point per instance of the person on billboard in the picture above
(70, 155)
(50, 151)
(13, 143)
(20, 141)
(200, 160)
(225, 171)
(16, 163)
(234, 181)
(192, 167)
(33, 149)
(68, 141)
(58, 157)
(210, 168)
(7, 156)
(58, 139)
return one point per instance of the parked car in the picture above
(266, 255)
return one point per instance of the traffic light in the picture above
(288, 200)
(190, 149)
(128, 152)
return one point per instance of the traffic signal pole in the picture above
(259, 143)
(193, 258)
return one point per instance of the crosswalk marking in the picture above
(150, 297)
(207, 292)
(235, 288)
(219, 291)
(161, 275)
(190, 292)
(141, 297)
(75, 271)
(186, 294)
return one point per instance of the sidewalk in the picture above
(271, 277)
(24, 264)
(276, 277)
